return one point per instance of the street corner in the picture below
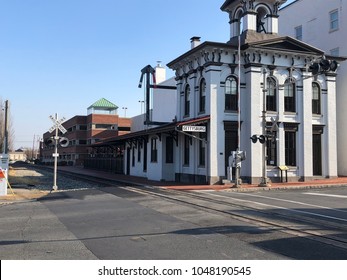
(22, 194)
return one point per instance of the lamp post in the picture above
(125, 111)
(141, 104)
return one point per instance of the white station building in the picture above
(257, 84)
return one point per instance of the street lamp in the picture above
(141, 104)
(125, 111)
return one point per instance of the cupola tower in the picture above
(249, 17)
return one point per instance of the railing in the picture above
(114, 165)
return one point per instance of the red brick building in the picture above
(102, 122)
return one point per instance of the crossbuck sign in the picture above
(57, 124)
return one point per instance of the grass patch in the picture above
(24, 177)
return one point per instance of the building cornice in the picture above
(205, 49)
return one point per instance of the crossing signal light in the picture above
(49, 141)
(254, 138)
(334, 65)
(262, 138)
(315, 68)
(324, 66)
(63, 142)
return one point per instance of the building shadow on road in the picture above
(298, 248)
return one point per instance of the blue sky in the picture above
(60, 56)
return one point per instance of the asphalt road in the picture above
(117, 223)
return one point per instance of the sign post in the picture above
(4, 162)
(56, 127)
(4, 157)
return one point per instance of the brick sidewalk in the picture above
(341, 181)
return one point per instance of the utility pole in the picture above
(33, 153)
(5, 150)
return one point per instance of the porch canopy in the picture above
(170, 128)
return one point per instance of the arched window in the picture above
(239, 17)
(202, 96)
(289, 96)
(262, 14)
(271, 95)
(231, 94)
(316, 98)
(187, 101)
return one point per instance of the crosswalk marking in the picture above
(326, 194)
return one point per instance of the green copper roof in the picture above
(103, 103)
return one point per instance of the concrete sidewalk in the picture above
(23, 193)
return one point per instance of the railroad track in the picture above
(301, 226)
(290, 221)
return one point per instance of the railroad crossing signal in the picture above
(57, 124)
(261, 138)
(323, 66)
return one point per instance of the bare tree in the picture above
(11, 132)
(2, 126)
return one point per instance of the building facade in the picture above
(324, 27)
(101, 122)
(18, 155)
(257, 84)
